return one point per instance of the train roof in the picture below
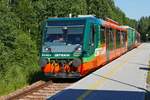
(127, 27)
(92, 18)
(68, 18)
(64, 18)
(107, 23)
(113, 25)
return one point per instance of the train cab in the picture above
(67, 44)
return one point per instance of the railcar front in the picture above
(61, 53)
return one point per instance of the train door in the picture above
(122, 39)
(102, 37)
(126, 40)
(91, 41)
(103, 45)
(107, 44)
(111, 44)
(129, 38)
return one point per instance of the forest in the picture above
(20, 33)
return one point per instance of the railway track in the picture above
(37, 91)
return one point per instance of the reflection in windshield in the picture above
(71, 35)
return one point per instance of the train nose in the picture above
(57, 67)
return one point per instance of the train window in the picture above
(102, 34)
(107, 37)
(124, 38)
(111, 39)
(118, 39)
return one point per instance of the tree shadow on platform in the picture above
(86, 94)
(143, 68)
(147, 96)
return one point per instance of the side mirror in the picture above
(92, 44)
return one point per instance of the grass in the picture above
(17, 77)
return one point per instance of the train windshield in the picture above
(70, 32)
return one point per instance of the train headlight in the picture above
(48, 49)
(79, 49)
(77, 52)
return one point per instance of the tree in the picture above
(144, 27)
(20, 32)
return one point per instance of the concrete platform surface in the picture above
(122, 79)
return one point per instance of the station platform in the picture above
(121, 79)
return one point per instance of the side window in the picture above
(124, 38)
(118, 39)
(111, 39)
(107, 37)
(102, 34)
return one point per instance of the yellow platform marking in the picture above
(101, 81)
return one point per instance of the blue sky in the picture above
(134, 8)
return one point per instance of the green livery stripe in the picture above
(60, 55)
(87, 59)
